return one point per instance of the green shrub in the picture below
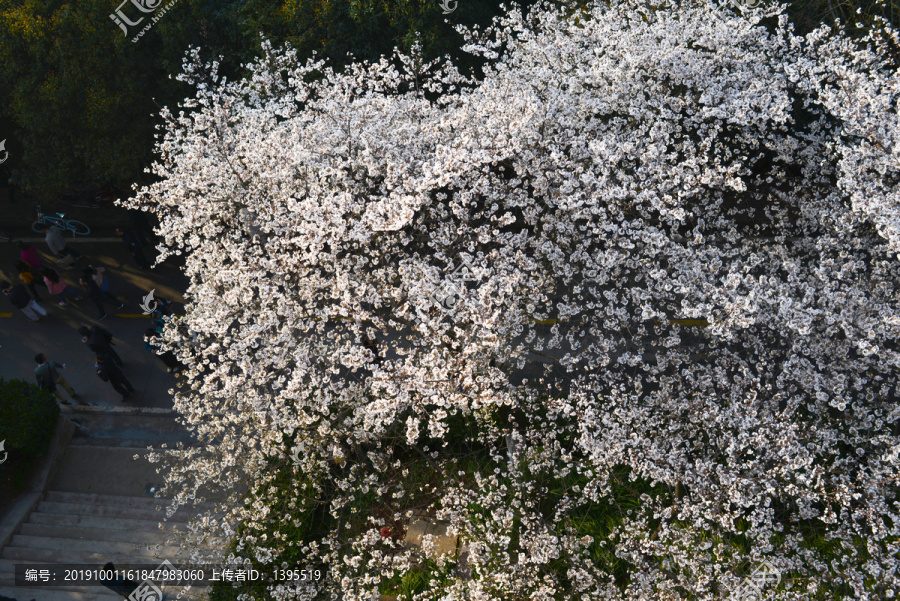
(27, 417)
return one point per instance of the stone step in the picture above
(109, 511)
(153, 427)
(81, 498)
(93, 593)
(127, 536)
(106, 470)
(77, 546)
(26, 554)
(123, 535)
(100, 523)
(58, 594)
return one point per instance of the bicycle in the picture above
(68, 225)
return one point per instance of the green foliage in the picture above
(367, 29)
(27, 417)
(80, 99)
(413, 582)
(79, 93)
(309, 523)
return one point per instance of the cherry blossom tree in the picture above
(615, 171)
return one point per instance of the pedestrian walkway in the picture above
(57, 334)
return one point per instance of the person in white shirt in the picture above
(53, 236)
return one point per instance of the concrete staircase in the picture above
(100, 508)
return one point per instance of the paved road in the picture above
(56, 334)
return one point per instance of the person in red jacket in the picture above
(28, 253)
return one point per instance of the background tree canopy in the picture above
(78, 100)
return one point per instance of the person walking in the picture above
(100, 341)
(58, 286)
(96, 274)
(164, 308)
(152, 344)
(134, 247)
(110, 372)
(53, 236)
(28, 253)
(142, 229)
(19, 297)
(27, 277)
(99, 297)
(48, 378)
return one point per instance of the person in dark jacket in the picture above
(19, 297)
(134, 247)
(96, 274)
(109, 372)
(98, 296)
(100, 341)
(152, 344)
(143, 231)
(164, 308)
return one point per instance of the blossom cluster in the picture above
(613, 169)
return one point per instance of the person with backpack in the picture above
(58, 286)
(98, 296)
(27, 278)
(96, 274)
(48, 377)
(110, 372)
(100, 341)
